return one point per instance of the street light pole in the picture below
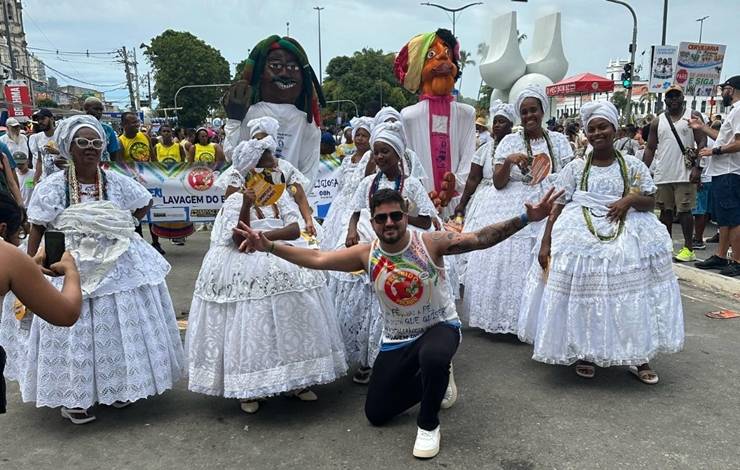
(633, 48)
(321, 69)
(701, 25)
(454, 11)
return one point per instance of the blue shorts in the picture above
(703, 200)
(726, 200)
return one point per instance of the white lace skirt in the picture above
(495, 277)
(358, 313)
(125, 346)
(605, 310)
(337, 221)
(272, 332)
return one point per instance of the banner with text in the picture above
(326, 186)
(18, 97)
(182, 192)
(663, 68)
(699, 68)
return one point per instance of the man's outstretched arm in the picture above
(451, 243)
(347, 259)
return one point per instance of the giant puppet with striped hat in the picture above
(278, 81)
(439, 129)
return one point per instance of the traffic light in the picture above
(627, 76)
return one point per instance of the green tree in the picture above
(484, 102)
(47, 103)
(465, 60)
(366, 78)
(178, 59)
(619, 99)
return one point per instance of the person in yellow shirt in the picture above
(205, 151)
(135, 145)
(168, 151)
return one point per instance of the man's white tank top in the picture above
(411, 290)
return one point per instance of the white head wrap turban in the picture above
(499, 108)
(532, 91)
(248, 153)
(67, 128)
(385, 113)
(600, 109)
(268, 125)
(392, 134)
(363, 122)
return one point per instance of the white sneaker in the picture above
(249, 406)
(427, 443)
(451, 393)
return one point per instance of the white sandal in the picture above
(77, 415)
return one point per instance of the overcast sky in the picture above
(594, 31)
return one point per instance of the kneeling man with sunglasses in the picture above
(421, 329)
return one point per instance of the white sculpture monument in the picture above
(505, 70)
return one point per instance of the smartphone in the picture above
(54, 247)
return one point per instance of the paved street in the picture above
(512, 413)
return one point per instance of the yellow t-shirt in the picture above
(136, 149)
(169, 154)
(205, 153)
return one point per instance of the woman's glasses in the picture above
(84, 143)
(395, 216)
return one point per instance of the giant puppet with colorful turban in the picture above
(278, 82)
(440, 130)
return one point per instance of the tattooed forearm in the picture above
(483, 238)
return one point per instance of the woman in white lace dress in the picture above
(297, 183)
(126, 345)
(350, 176)
(609, 295)
(524, 166)
(410, 161)
(479, 191)
(259, 326)
(357, 306)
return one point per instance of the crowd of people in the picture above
(569, 255)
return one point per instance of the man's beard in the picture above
(727, 100)
(391, 240)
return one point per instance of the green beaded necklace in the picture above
(584, 187)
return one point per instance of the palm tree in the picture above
(465, 60)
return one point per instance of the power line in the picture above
(58, 52)
(77, 79)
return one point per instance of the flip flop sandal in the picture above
(586, 371)
(121, 404)
(722, 315)
(77, 415)
(644, 375)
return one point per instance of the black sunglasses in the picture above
(383, 218)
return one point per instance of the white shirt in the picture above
(727, 162)
(298, 140)
(37, 142)
(669, 166)
(26, 185)
(21, 146)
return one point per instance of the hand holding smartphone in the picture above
(53, 246)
